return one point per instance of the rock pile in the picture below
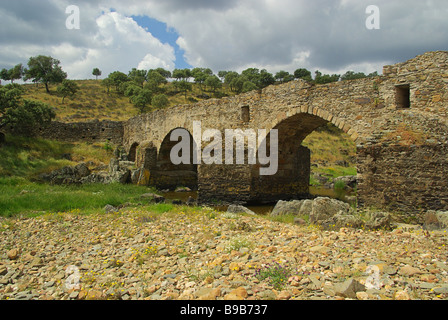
(331, 214)
(207, 255)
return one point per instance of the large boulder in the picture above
(140, 177)
(341, 220)
(295, 207)
(233, 208)
(66, 175)
(379, 220)
(81, 170)
(326, 208)
(436, 220)
(152, 197)
(326, 212)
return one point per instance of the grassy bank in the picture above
(17, 195)
(28, 157)
(332, 153)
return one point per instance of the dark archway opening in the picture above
(169, 176)
(309, 148)
(132, 155)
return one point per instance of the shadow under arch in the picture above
(166, 174)
(292, 179)
(132, 155)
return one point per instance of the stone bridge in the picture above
(398, 121)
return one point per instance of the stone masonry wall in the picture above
(405, 179)
(94, 131)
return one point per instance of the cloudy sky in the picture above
(326, 35)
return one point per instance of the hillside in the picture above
(92, 101)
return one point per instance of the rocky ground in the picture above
(202, 254)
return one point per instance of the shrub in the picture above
(276, 273)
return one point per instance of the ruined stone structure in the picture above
(92, 131)
(398, 121)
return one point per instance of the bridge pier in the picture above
(243, 183)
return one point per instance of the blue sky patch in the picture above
(166, 35)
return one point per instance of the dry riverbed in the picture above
(192, 253)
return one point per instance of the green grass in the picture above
(275, 273)
(17, 195)
(28, 157)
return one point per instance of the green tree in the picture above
(283, 76)
(238, 82)
(165, 73)
(160, 101)
(213, 82)
(200, 75)
(154, 80)
(181, 74)
(265, 79)
(138, 76)
(303, 74)
(325, 78)
(229, 78)
(67, 88)
(22, 114)
(96, 72)
(46, 70)
(351, 75)
(117, 78)
(142, 99)
(184, 86)
(222, 74)
(261, 78)
(5, 75)
(131, 89)
(249, 86)
(16, 73)
(107, 83)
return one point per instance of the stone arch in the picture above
(320, 113)
(132, 154)
(166, 174)
(292, 179)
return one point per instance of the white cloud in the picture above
(113, 42)
(119, 44)
(328, 35)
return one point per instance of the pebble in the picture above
(188, 255)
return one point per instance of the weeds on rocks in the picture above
(276, 274)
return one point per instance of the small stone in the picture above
(440, 290)
(284, 295)
(13, 254)
(94, 295)
(234, 266)
(240, 292)
(349, 288)
(37, 262)
(361, 295)
(3, 270)
(319, 249)
(208, 293)
(110, 209)
(402, 295)
(409, 271)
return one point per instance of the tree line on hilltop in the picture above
(143, 87)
